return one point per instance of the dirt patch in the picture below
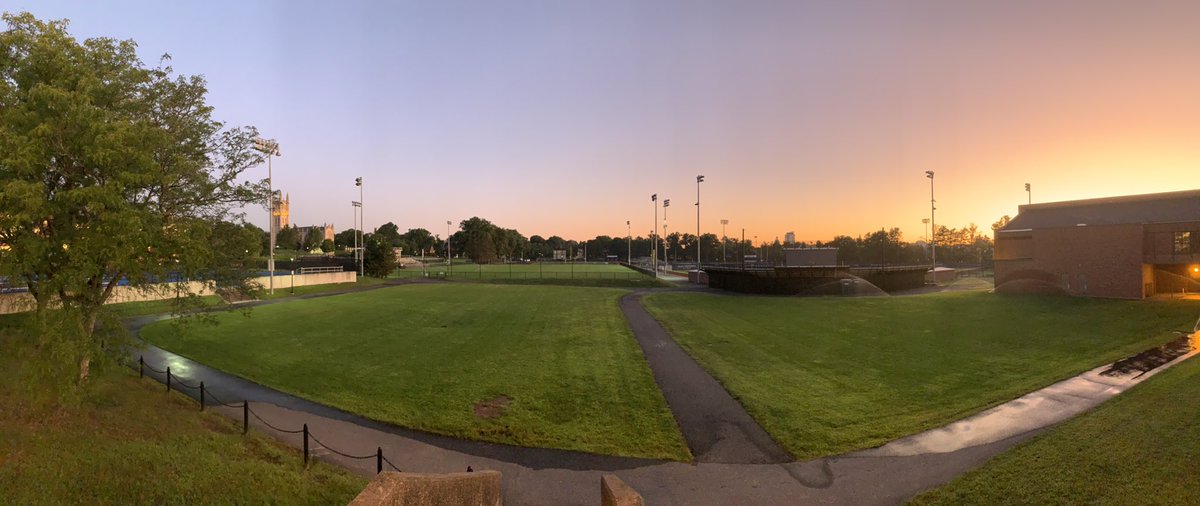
(1148, 360)
(492, 408)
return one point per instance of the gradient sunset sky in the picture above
(562, 117)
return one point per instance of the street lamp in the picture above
(654, 242)
(270, 148)
(449, 264)
(724, 240)
(1029, 193)
(932, 221)
(363, 222)
(699, 179)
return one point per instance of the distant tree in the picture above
(287, 238)
(419, 239)
(345, 238)
(478, 239)
(1001, 223)
(389, 232)
(379, 259)
(111, 172)
(327, 246)
(312, 240)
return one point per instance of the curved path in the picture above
(717, 431)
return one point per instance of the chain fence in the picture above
(206, 398)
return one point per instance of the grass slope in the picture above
(131, 443)
(1141, 448)
(422, 356)
(830, 375)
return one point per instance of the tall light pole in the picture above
(270, 148)
(362, 221)
(699, 179)
(666, 235)
(1029, 193)
(925, 221)
(357, 206)
(932, 221)
(654, 241)
(449, 263)
(724, 239)
(628, 244)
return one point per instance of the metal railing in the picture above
(320, 270)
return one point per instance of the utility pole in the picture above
(363, 223)
(629, 244)
(269, 147)
(666, 252)
(1029, 193)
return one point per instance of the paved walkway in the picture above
(887, 475)
(715, 426)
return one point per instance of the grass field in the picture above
(544, 273)
(829, 375)
(131, 443)
(423, 356)
(1139, 448)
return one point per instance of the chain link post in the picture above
(306, 446)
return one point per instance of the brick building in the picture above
(1128, 247)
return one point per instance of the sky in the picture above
(562, 117)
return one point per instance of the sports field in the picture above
(540, 366)
(830, 375)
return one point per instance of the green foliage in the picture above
(287, 238)
(110, 172)
(345, 238)
(389, 233)
(379, 259)
(327, 246)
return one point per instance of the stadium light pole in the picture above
(1029, 192)
(628, 243)
(270, 148)
(357, 206)
(699, 179)
(654, 241)
(449, 263)
(362, 221)
(932, 221)
(724, 240)
(666, 235)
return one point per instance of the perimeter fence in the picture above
(206, 398)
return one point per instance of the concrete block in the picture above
(614, 492)
(480, 488)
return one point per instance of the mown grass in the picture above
(1142, 447)
(422, 356)
(830, 375)
(280, 293)
(128, 442)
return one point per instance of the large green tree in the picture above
(111, 172)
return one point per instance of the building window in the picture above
(1183, 243)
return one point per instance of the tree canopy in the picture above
(111, 172)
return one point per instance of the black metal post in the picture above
(378, 460)
(201, 396)
(141, 367)
(168, 379)
(306, 446)
(245, 417)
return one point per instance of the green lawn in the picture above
(1142, 447)
(281, 293)
(422, 356)
(546, 273)
(830, 375)
(131, 443)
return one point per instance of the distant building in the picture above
(810, 257)
(560, 254)
(1128, 247)
(789, 238)
(324, 230)
(281, 211)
